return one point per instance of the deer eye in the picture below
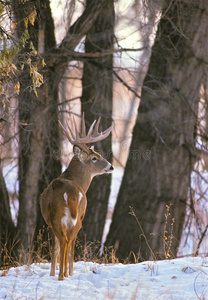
(94, 159)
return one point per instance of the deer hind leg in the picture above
(71, 258)
(60, 234)
(66, 259)
(63, 250)
(55, 252)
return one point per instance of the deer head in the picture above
(63, 203)
(86, 162)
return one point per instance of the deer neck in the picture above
(78, 173)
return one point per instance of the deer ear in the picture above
(82, 155)
(77, 151)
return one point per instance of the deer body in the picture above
(63, 203)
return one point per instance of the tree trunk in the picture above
(51, 166)
(38, 117)
(161, 156)
(7, 229)
(31, 157)
(38, 135)
(97, 101)
(48, 93)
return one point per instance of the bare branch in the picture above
(73, 54)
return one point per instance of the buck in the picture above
(63, 203)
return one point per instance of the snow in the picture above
(182, 278)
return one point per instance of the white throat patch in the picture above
(80, 196)
(65, 197)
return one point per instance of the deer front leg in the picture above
(63, 248)
(55, 252)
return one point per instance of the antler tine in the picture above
(70, 138)
(89, 135)
(96, 133)
(80, 137)
(102, 135)
(76, 131)
(83, 128)
(96, 136)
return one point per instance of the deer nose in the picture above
(112, 168)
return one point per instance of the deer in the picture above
(63, 203)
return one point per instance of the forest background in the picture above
(142, 66)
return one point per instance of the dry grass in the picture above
(37, 252)
(40, 251)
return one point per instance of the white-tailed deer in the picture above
(63, 203)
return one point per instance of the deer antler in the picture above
(81, 137)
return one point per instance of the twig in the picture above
(201, 239)
(132, 212)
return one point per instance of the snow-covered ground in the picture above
(182, 278)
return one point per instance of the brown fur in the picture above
(62, 207)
